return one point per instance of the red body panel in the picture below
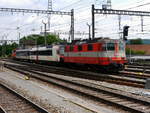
(96, 47)
(95, 60)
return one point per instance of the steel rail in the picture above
(36, 106)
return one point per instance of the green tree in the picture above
(6, 49)
(132, 52)
(136, 41)
(40, 40)
(129, 51)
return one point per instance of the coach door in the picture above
(55, 53)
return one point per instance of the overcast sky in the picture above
(106, 25)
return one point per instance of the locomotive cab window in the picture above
(90, 47)
(79, 47)
(110, 46)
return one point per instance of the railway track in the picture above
(12, 102)
(138, 70)
(2, 110)
(138, 75)
(115, 79)
(138, 66)
(122, 100)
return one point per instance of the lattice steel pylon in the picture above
(106, 4)
(49, 16)
(109, 4)
(50, 5)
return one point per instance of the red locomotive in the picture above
(107, 53)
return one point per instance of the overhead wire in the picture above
(138, 6)
(82, 7)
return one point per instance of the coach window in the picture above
(48, 52)
(90, 47)
(110, 46)
(31, 53)
(79, 47)
(40, 52)
(18, 53)
(26, 53)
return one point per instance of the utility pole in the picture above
(18, 35)
(142, 29)
(89, 30)
(2, 46)
(72, 25)
(45, 24)
(119, 20)
(119, 23)
(41, 28)
(4, 41)
(49, 15)
(109, 4)
(93, 22)
(106, 4)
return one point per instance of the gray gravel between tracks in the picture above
(49, 100)
(133, 90)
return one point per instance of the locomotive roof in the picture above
(48, 47)
(102, 40)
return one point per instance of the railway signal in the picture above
(125, 32)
